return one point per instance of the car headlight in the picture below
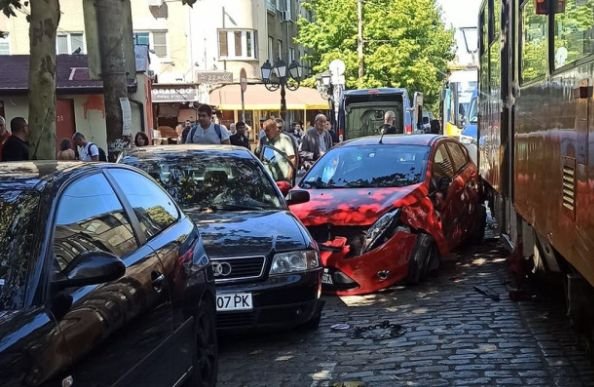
(382, 229)
(294, 261)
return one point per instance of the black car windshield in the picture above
(18, 225)
(369, 166)
(205, 181)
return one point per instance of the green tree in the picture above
(406, 43)
(43, 25)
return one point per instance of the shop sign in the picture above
(174, 94)
(211, 77)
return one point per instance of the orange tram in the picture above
(536, 127)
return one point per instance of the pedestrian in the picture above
(217, 119)
(281, 142)
(232, 129)
(333, 134)
(66, 152)
(4, 134)
(87, 151)
(240, 138)
(207, 132)
(16, 147)
(141, 139)
(317, 140)
(388, 126)
(185, 131)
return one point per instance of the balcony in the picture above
(271, 5)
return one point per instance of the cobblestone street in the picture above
(452, 335)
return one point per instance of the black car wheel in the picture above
(423, 257)
(207, 351)
(314, 323)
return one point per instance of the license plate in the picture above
(327, 279)
(234, 301)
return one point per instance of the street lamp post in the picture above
(331, 84)
(281, 76)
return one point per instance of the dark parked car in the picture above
(383, 211)
(103, 280)
(266, 265)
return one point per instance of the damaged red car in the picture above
(384, 210)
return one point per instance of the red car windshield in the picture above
(369, 166)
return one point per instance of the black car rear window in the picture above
(212, 181)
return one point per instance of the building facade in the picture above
(193, 50)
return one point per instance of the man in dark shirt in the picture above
(388, 127)
(187, 128)
(16, 148)
(239, 138)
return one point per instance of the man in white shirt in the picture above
(207, 132)
(86, 151)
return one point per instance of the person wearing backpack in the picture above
(206, 131)
(87, 151)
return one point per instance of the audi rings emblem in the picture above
(221, 269)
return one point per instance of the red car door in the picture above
(449, 187)
(470, 198)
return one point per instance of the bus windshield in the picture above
(367, 118)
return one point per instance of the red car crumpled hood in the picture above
(353, 206)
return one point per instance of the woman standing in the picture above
(66, 152)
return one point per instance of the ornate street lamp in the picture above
(280, 76)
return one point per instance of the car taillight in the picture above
(408, 129)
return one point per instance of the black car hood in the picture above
(246, 233)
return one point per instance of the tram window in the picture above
(534, 43)
(491, 31)
(483, 28)
(496, 19)
(574, 32)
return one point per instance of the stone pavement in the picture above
(452, 335)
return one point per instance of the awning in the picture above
(257, 97)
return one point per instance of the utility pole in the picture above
(360, 38)
(113, 68)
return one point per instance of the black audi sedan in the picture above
(103, 280)
(265, 263)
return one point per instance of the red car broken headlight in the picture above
(382, 230)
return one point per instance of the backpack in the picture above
(195, 128)
(102, 155)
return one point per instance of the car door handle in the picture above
(158, 280)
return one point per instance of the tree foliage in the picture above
(406, 43)
(8, 8)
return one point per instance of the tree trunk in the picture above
(113, 69)
(44, 19)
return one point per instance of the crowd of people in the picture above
(293, 141)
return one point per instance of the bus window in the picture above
(574, 32)
(534, 43)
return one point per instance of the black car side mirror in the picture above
(297, 197)
(90, 268)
